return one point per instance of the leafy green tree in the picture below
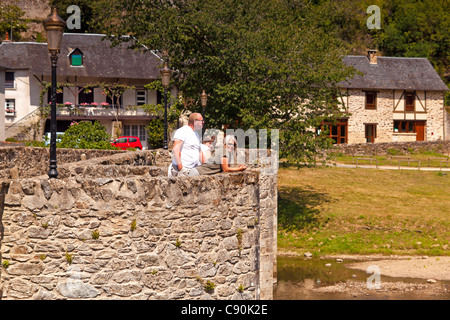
(11, 21)
(264, 64)
(418, 29)
(86, 135)
(113, 91)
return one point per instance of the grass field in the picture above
(425, 159)
(328, 210)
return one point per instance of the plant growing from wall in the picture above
(69, 258)
(209, 286)
(5, 264)
(95, 234)
(133, 225)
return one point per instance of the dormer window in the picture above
(76, 58)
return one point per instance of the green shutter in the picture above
(76, 60)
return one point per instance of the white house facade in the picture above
(86, 64)
(2, 103)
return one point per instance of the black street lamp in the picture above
(203, 99)
(54, 26)
(165, 77)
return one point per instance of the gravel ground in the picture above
(409, 278)
(437, 268)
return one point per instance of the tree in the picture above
(113, 91)
(11, 21)
(409, 28)
(86, 135)
(259, 61)
(418, 29)
(155, 128)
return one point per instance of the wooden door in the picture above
(337, 132)
(371, 132)
(420, 130)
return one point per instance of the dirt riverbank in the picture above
(401, 278)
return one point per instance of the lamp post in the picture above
(203, 99)
(54, 26)
(165, 77)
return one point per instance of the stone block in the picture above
(76, 289)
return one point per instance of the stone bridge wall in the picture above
(117, 228)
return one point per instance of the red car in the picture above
(126, 142)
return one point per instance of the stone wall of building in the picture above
(383, 116)
(435, 116)
(118, 228)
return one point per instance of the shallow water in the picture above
(299, 278)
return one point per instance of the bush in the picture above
(86, 135)
(155, 131)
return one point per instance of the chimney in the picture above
(6, 37)
(372, 56)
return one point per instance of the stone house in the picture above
(396, 99)
(85, 62)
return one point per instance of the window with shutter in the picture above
(370, 132)
(409, 101)
(371, 100)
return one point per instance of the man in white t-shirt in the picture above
(186, 150)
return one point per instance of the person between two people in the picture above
(188, 158)
(207, 147)
(221, 160)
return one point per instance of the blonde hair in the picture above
(230, 139)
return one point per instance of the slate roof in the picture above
(394, 73)
(99, 59)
